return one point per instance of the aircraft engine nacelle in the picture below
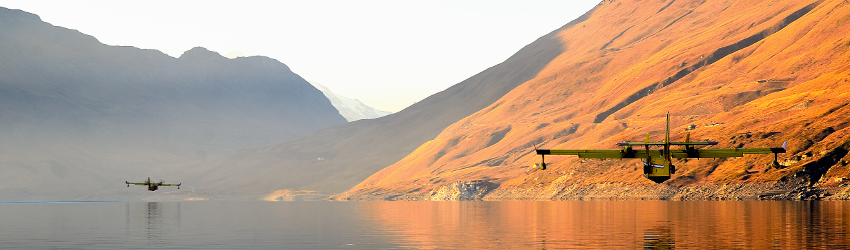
(541, 165)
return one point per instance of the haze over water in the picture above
(426, 225)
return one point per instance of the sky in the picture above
(387, 54)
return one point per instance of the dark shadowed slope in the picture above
(338, 157)
(76, 114)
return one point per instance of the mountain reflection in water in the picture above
(616, 224)
(426, 225)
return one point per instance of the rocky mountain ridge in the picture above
(744, 73)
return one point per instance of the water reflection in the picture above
(614, 224)
(427, 225)
(153, 220)
(660, 237)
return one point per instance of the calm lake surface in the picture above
(426, 225)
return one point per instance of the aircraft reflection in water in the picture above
(152, 186)
(657, 164)
(659, 237)
(152, 220)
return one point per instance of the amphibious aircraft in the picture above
(657, 164)
(152, 186)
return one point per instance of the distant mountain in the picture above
(336, 158)
(743, 73)
(351, 109)
(78, 116)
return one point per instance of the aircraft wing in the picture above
(165, 184)
(678, 153)
(675, 153)
(601, 153)
(722, 153)
(635, 143)
(135, 183)
(678, 143)
(688, 143)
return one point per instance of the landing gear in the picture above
(775, 162)
(542, 164)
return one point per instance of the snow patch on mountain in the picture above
(351, 109)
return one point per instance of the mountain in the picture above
(234, 54)
(351, 109)
(744, 73)
(80, 117)
(335, 158)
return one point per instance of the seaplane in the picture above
(152, 186)
(658, 163)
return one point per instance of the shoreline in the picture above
(796, 189)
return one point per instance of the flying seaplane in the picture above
(658, 164)
(152, 186)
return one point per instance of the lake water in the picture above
(426, 225)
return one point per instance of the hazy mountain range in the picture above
(351, 109)
(78, 115)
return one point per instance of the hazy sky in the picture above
(388, 54)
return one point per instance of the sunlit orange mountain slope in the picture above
(744, 73)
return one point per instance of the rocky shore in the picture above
(791, 189)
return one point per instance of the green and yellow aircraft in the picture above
(152, 186)
(657, 164)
